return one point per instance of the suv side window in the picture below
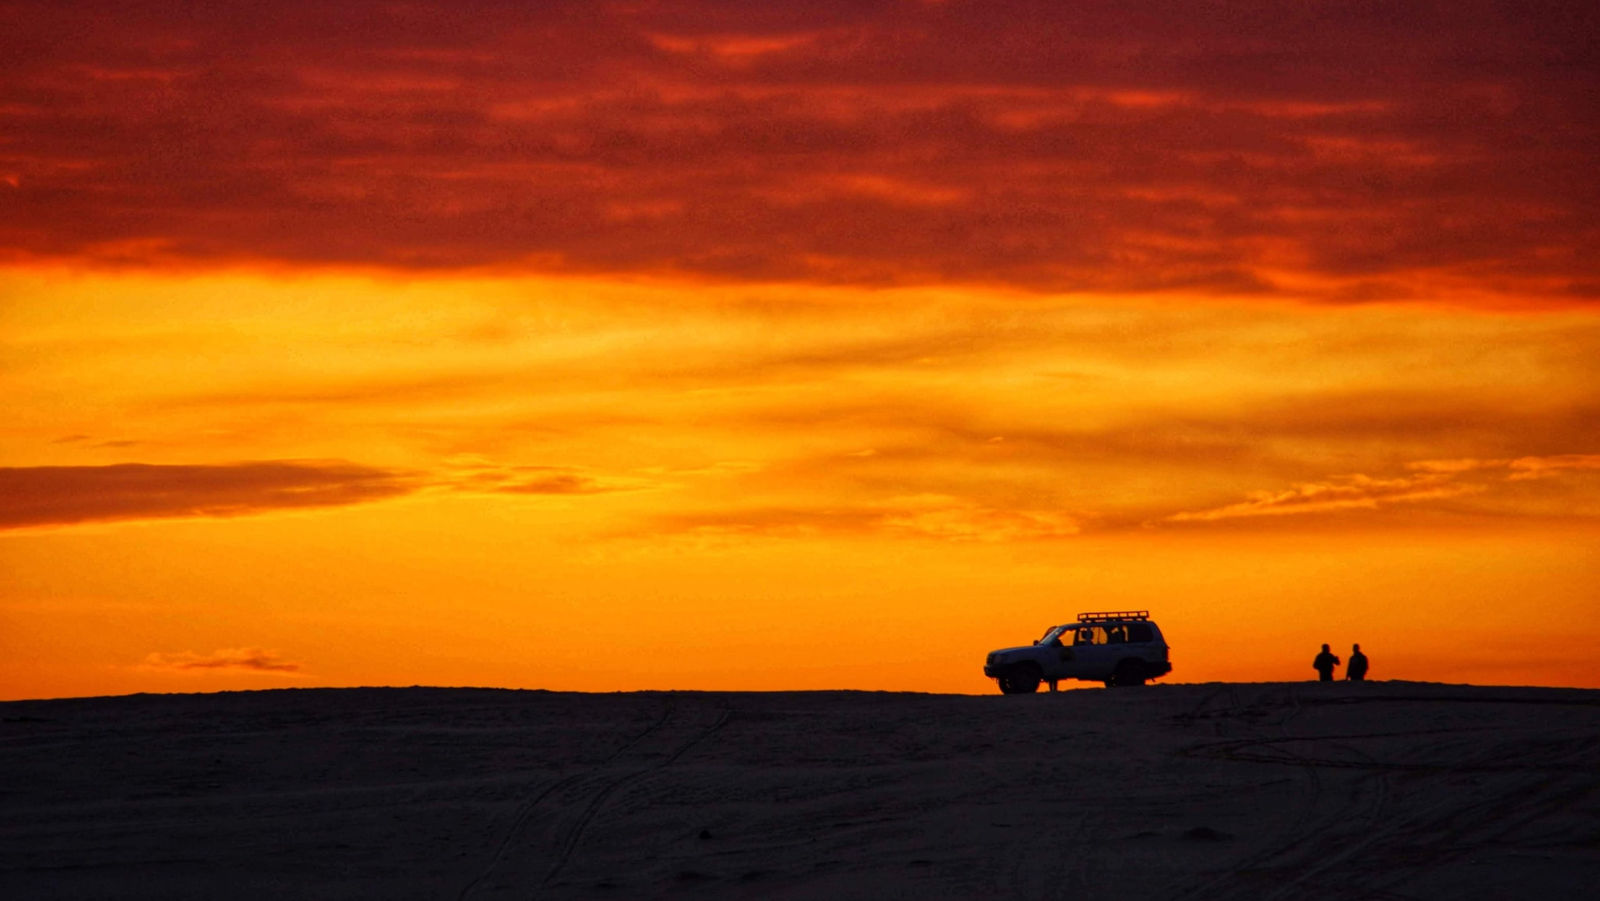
(1140, 632)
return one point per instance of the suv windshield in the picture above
(1053, 635)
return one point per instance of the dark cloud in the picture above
(62, 495)
(1349, 152)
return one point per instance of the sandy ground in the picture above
(1382, 790)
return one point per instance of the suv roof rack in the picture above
(1112, 615)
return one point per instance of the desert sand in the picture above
(1377, 790)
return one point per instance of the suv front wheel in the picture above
(1022, 680)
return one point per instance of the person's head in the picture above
(1356, 648)
(1324, 648)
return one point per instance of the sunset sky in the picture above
(609, 346)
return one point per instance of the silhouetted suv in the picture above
(1119, 647)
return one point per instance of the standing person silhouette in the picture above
(1324, 664)
(1357, 670)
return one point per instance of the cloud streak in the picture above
(926, 516)
(37, 496)
(556, 480)
(67, 495)
(236, 660)
(1352, 492)
(1151, 147)
(1518, 469)
(1429, 480)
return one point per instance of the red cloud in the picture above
(1154, 146)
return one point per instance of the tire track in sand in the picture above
(1319, 813)
(550, 824)
(574, 833)
(1336, 840)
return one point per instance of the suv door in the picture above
(1092, 656)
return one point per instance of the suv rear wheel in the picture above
(1128, 672)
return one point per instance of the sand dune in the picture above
(1382, 790)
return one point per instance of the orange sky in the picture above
(613, 346)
